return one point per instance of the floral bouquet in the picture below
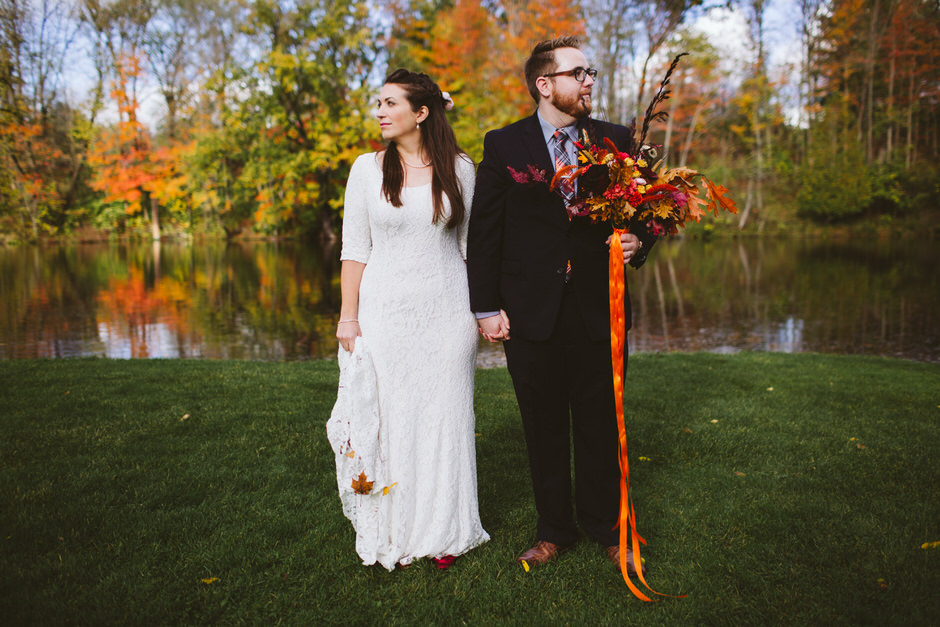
(627, 190)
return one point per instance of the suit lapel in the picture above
(535, 144)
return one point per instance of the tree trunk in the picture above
(748, 202)
(327, 233)
(909, 148)
(870, 83)
(641, 89)
(808, 10)
(758, 166)
(154, 218)
(889, 139)
(690, 134)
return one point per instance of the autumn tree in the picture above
(874, 69)
(758, 116)
(307, 103)
(410, 30)
(121, 154)
(41, 154)
(475, 50)
(218, 134)
(695, 88)
(910, 88)
(625, 35)
(172, 57)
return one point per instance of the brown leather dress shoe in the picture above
(613, 553)
(542, 552)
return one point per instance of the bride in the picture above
(402, 428)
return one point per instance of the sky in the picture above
(727, 31)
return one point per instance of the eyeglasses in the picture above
(579, 74)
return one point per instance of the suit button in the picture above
(560, 270)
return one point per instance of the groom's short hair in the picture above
(542, 60)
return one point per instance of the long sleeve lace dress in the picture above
(402, 428)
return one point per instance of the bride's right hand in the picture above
(346, 332)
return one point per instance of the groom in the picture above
(539, 282)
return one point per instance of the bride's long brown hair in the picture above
(438, 141)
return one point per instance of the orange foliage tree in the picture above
(910, 73)
(28, 159)
(120, 156)
(475, 50)
(129, 169)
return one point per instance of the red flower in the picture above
(518, 177)
(531, 176)
(655, 228)
(615, 191)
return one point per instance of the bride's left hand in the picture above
(346, 333)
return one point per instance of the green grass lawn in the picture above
(772, 490)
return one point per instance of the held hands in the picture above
(495, 328)
(346, 332)
(631, 245)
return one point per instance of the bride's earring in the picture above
(418, 125)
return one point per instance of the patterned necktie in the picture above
(561, 160)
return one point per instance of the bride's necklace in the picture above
(411, 165)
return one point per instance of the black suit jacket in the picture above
(520, 238)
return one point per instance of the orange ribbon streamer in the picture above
(618, 339)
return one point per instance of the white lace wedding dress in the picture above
(403, 424)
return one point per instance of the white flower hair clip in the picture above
(448, 101)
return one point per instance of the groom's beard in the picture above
(577, 106)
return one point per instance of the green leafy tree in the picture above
(306, 110)
(836, 182)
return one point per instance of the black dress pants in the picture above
(564, 387)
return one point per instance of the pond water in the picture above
(279, 301)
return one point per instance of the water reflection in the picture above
(278, 301)
(789, 296)
(268, 301)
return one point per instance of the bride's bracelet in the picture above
(350, 320)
